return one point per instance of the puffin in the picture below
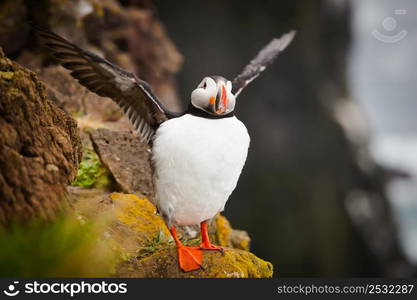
(197, 155)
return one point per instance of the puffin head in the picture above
(214, 96)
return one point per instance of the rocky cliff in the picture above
(40, 147)
(75, 181)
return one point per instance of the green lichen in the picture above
(91, 172)
(6, 75)
(223, 231)
(139, 214)
(233, 263)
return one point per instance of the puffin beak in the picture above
(221, 100)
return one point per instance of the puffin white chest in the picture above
(197, 163)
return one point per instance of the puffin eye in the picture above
(204, 85)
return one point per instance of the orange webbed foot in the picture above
(190, 258)
(205, 241)
(211, 247)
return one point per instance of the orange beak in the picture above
(221, 100)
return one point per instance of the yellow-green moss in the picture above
(6, 75)
(139, 214)
(237, 264)
(143, 239)
(223, 231)
(244, 244)
(164, 263)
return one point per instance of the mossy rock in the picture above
(146, 246)
(233, 263)
(222, 233)
(156, 255)
(40, 148)
(138, 216)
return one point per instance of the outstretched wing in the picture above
(264, 58)
(132, 94)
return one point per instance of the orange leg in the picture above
(205, 241)
(189, 258)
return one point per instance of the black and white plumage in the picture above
(134, 96)
(264, 59)
(197, 155)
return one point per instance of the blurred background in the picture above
(329, 188)
(325, 189)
